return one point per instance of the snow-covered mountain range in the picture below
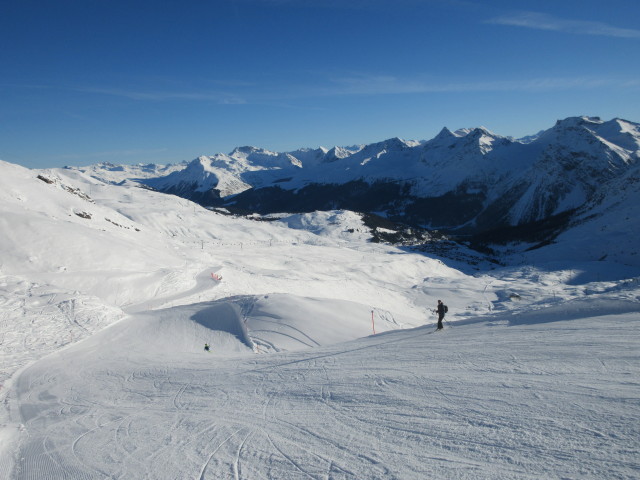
(471, 181)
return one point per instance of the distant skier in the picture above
(441, 309)
(206, 347)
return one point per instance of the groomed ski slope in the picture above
(547, 395)
(103, 324)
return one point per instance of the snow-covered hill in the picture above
(108, 292)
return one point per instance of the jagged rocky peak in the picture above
(260, 158)
(307, 157)
(463, 132)
(107, 165)
(445, 134)
(316, 153)
(394, 144)
(336, 153)
(446, 138)
(477, 139)
(623, 133)
(626, 126)
(247, 150)
(476, 133)
(202, 162)
(577, 123)
(484, 139)
(199, 166)
(581, 129)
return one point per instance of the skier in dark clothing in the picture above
(206, 347)
(440, 310)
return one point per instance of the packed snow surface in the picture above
(109, 294)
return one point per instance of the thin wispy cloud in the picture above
(359, 84)
(320, 85)
(363, 84)
(217, 97)
(543, 21)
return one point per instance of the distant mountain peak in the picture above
(582, 121)
(248, 150)
(336, 153)
(479, 131)
(200, 163)
(444, 134)
(392, 144)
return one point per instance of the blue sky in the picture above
(158, 81)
